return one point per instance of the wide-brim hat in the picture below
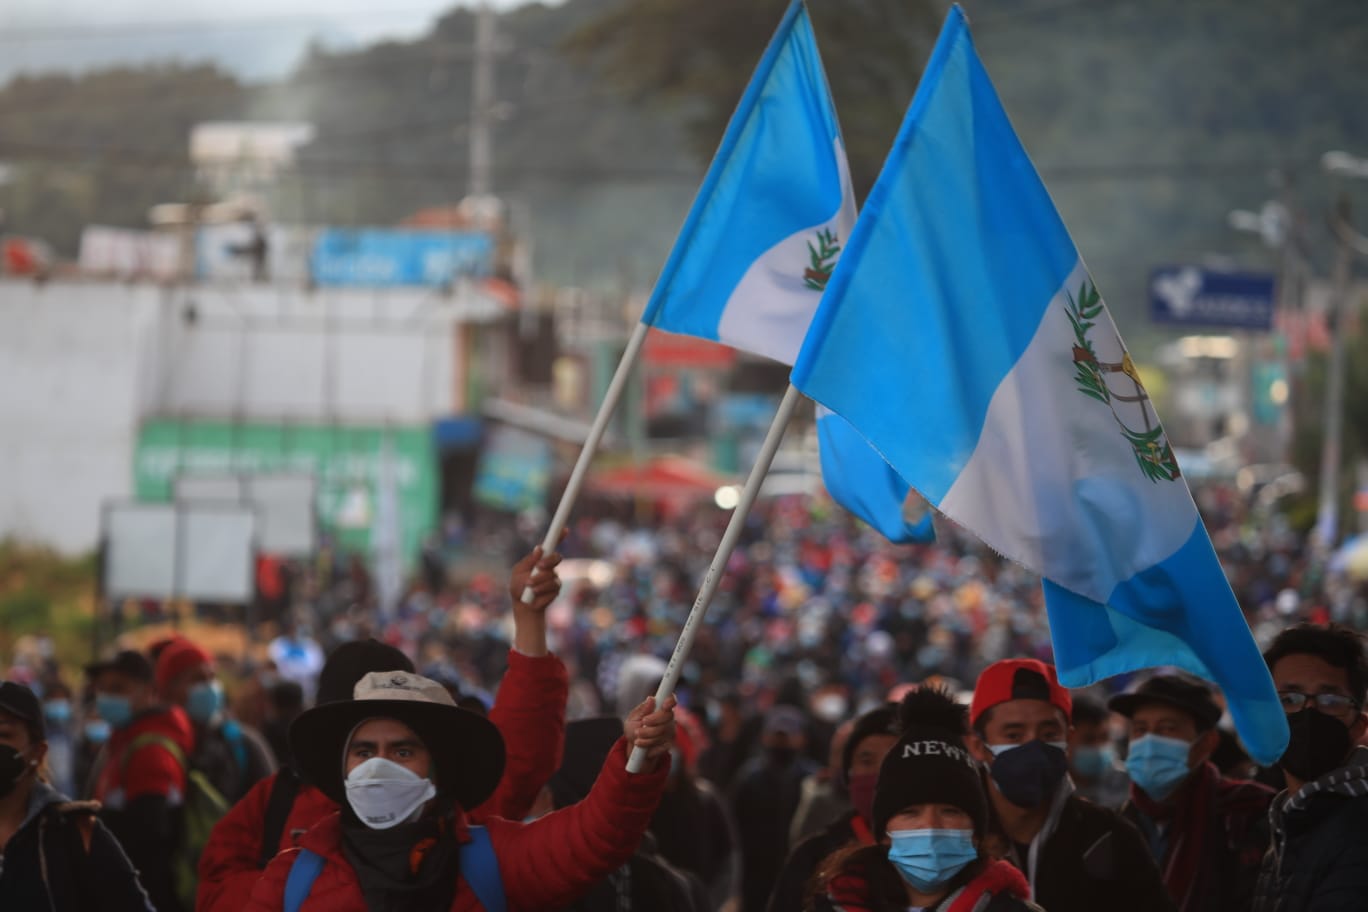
(467, 750)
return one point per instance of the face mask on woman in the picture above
(384, 794)
(13, 766)
(928, 859)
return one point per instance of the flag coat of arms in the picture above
(962, 336)
(761, 240)
(772, 214)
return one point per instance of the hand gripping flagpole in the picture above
(591, 442)
(719, 561)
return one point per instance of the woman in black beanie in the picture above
(930, 812)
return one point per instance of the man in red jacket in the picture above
(529, 711)
(138, 780)
(403, 761)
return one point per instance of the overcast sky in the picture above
(258, 39)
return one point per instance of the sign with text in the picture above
(1192, 296)
(378, 257)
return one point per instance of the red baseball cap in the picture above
(1018, 679)
(176, 658)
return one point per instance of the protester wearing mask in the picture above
(764, 800)
(871, 737)
(403, 762)
(930, 815)
(1093, 762)
(1319, 855)
(824, 798)
(1207, 833)
(55, 855)
(61, 754)
(529, 712)
(138, 779)
(1075, 855)
(233, 756)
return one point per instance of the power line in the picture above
(318, 168)
(23, 34)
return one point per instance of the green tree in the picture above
(701, 53)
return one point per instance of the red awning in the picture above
(673, 478)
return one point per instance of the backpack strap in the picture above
(278, 807)
(237, 743)
(480, 867)
(303, 872)
(147, 738)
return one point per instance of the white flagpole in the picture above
(591, 442)
(719, 562)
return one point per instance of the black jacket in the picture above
(1088, 858)
(1319, 858)
(790, 891)
(63, 859)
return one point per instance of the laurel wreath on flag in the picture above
(823, 260)
(1152, 450)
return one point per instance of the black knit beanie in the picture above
(881, 720)
(351, 662)
(930, 764)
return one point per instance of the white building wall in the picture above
(81, 364)
(70, 384)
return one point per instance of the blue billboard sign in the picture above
(1192, 296)
(379, 257)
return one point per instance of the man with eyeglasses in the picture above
(1319, 857)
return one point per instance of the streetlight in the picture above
(1347, 243)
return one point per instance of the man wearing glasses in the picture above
(1319, 856)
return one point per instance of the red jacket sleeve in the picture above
(549, 863)
(529, 712)
(228, 866)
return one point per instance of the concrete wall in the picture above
(71, 385)
(82, 364)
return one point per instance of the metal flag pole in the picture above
(591, 442)
(719, 561)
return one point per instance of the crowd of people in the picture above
(860, 726)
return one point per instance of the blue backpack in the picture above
(479, 866)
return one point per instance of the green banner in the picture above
(345, 462)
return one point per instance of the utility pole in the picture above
(1327, 513)
(481, 180)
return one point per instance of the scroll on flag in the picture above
(963, 337)
(762, 238)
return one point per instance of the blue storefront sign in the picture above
(378, 257)
(1192, 296)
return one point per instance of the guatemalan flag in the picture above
(765, 231)
(964, 338)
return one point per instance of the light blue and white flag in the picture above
(761, 240)
(859, 479)
(962, 336)
(769, 220)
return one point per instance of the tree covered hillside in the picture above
(1149, 121)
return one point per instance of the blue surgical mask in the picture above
(1158, 765)
(117, 711)
(1093, 762)
(205, 701)
(96, 731)
(58, 711)
(928, 859)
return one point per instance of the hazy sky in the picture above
(256, 38)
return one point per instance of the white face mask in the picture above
(384, 794)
